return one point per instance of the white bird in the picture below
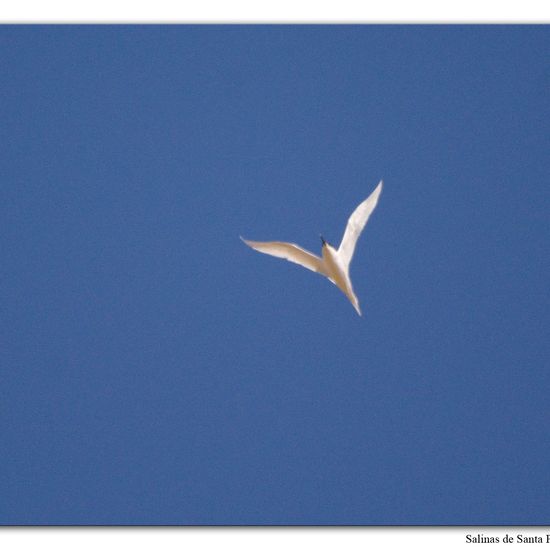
(334, 264)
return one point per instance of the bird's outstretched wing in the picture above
(355, 225)
(288, 251)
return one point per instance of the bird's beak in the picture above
(323, 240)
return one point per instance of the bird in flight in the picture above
(334, 264)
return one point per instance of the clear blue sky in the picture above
(155, 370)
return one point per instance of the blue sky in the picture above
(157, 371)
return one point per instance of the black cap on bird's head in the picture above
(323, 240)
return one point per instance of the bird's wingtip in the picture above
(248, 243)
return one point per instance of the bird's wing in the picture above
(290, 252)
(355, 225)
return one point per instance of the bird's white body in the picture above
(334, 264)
(338, 274)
